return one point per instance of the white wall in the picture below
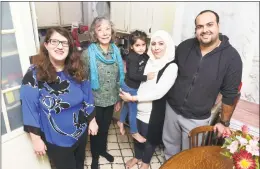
(240, 22)
(18, 153)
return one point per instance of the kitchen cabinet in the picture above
(58, 13)
(140, 16)
(70, 12)
(47, 14)
(146, 16)
(119, 14)
(162, 16)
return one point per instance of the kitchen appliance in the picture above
(122, 41)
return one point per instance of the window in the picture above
(17, 45)
(11, 74)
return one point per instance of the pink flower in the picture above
(225, 134)
(255, 138)
(253, 148)
(233, 146)
(245, 129)
(242, 140)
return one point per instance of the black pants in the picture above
(98, 143)
(143, 151)
(68, 157)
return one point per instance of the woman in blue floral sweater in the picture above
(57, 102)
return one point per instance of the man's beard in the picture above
(209, 43)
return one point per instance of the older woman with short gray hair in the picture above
(106, 74)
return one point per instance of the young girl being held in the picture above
(135, 64)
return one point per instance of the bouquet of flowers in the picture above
(243, 148)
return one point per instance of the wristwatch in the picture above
(225, 123)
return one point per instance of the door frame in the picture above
(23, 29)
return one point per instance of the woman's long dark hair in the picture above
(74, 64)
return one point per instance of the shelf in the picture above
(6, 54)
(10, 89)
(7, 31)
(13, 106)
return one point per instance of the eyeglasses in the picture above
(56, 42)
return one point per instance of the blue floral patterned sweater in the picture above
(61, 110)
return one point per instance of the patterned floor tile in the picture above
(122, 138)
(118, 166)
(112, 138)
(112, 146)
(154, 159)
(111, 131)
(102, 160)
(124, 145)
(121, 147)
(106, 166)
(155, 165)
(118, 160)
(115, 153)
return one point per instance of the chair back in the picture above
(203, 136)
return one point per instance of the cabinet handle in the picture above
(149, 30)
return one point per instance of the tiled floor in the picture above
(121, 147)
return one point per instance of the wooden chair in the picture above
(208, 136)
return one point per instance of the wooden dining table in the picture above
(204, 157)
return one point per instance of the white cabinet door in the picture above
(140, 16)
(70, 12)
(119, 12)
(163, 16)
(47, 14)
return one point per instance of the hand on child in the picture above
(125, 96)
(150, 75)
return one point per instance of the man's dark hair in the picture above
(216, 15)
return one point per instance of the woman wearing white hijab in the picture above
(151, 96)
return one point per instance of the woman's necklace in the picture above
(60, 68)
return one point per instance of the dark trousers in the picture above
(143, 151)
(98, 143)
(68, 157)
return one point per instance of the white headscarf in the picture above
(158, 64)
